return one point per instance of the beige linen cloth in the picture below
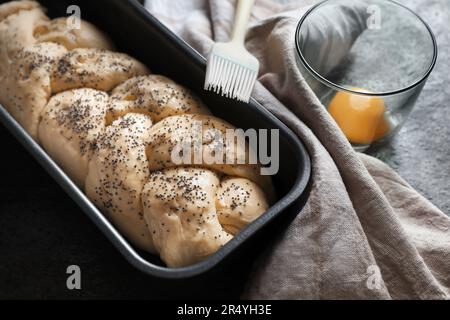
(364, 232)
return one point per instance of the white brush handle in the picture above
(243, 12)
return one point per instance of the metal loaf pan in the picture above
(141, 35)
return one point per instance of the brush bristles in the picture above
(229, 79)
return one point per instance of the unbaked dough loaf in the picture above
(17, 33)
(12, 7)
(121, 135)
(179, 206)
(118, 172)
(94, 68)
(25, 88)
(154, 95)
(17, 30)
(239, 202)
(169, 136)
(29, 54)
(71, 123)
(87, 36)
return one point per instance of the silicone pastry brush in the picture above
(232, 70)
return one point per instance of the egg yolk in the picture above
(361, 118)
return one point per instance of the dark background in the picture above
(40, 237)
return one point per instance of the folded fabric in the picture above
(364, 232)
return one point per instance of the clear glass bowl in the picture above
(367, 61)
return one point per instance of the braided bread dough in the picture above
(154, 95)
(71, 124)
(17, 32)
(117, 174)
(239, 201)
(25, 90)
(94, 68)
(10, 8)
(113, 128)
(191, 213)
(179, 206)
(58, 31)
(30, 47)
(199, 129)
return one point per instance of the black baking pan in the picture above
(141, 35)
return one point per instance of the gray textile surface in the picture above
(364, 233)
